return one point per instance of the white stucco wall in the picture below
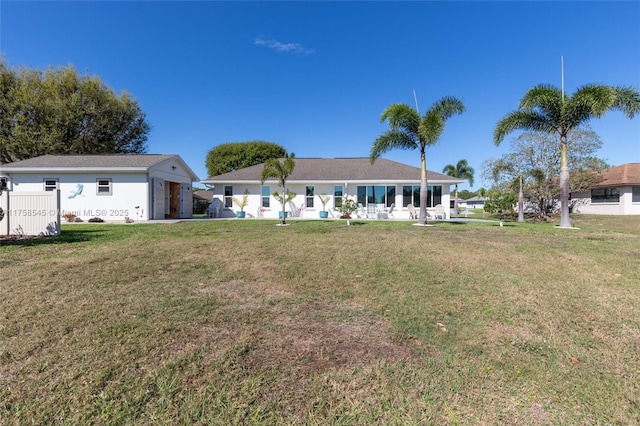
(625, 206)
(254, 206)
(128, 190)
(170, 170)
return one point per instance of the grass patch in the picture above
(244, 322)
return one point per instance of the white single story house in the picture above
(476, 202)
(617, 194)
(114, 187)
(382, 183)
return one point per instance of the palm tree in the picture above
(482, 192)
(501, 166)
(410, 131)
(273, 168)
(461, 170)
(546, 108)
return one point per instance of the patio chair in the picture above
(439, 212)
(361, 212)
(372, 212)
(214, 208)
(389, 212)
(295, 211)
(412, 211)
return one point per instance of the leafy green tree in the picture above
(410, 131)
(535, 157)
(227, 157)
(59, 111)
(500, 203)
(9, 84)
(461, 170)
(465, 194)
(546, 108)
(280, 170)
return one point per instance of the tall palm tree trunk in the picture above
(455, 202)
(520, 203)
(422, 219)
(564, 184)
(284, 209)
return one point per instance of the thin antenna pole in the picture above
(562, 72)
(416, 99)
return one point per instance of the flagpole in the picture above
(562, 75)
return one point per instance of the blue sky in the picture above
(315, 76)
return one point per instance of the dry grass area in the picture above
(244, 322)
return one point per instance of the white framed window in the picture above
(605, 195)
(377, 194)
(104, 187)
(5, 184)
(50, 184)
(266, 194)
(310, 193)
(411, 195)
(337, 196)
(228, 196)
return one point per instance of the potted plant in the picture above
(241, 203)
(324, 199)
(284, 199)
(69, 217)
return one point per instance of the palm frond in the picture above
(546, 99)
(431, 127)
(589, 101)
(450, 170)
(540, 96)
(595, 100)
(274, 168)
(434, 120)
(627, 101)
(448, 106)
(392, 139)
(523, 120)
(461, 170)
(465, 171)
(401, 116)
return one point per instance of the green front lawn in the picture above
(244, 322)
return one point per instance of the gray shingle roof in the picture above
(339, 170)
(90, 161)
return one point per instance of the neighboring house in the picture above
(201, 200)
(476, 202)
(382, 183)
(111, 187)
(617, 194)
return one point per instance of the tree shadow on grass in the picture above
(65, 237)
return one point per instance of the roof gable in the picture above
(338, 170)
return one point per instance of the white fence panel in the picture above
(30, 213)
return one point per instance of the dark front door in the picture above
(174, 200)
